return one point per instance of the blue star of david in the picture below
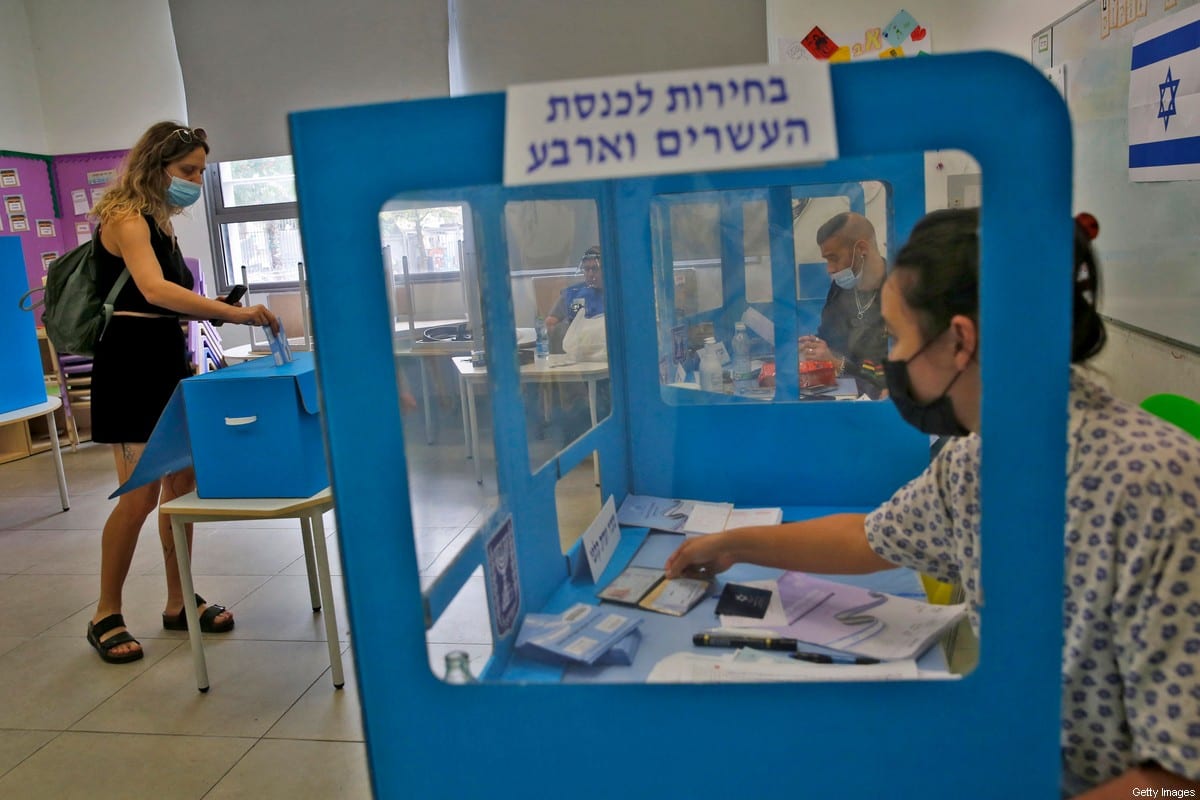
(1166, 111)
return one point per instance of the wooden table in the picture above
(192, 508)
(46, 409)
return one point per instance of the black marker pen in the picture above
(825, 658)
(756, 642)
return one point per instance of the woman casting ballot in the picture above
(142, 356)
(1131, 655)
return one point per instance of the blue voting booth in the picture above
(23, 384)
(517, 736)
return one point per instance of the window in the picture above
(253, 222)
(422, 239)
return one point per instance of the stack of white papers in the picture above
(848, 618)
(749, 666)
(691, 516)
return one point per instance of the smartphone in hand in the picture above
(236, 293)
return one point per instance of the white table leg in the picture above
(591, 384)
(425, 402)
(58, 465)
(189, 601)
(462, 403)
(314, 592)
(474, 433)
(331, 632)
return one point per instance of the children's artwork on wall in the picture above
(902, 36)
(84, 177)
(79, 201)
(31, 186)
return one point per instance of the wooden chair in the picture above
(286, 306)
(73, 376)
(546, 290)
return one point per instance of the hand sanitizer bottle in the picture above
(711, 377)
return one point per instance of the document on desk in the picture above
(581, 634)
(747, 517)
(649, 588)
(849, 618)
(673, 516)
(688, 667)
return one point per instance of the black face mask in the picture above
(935, 417)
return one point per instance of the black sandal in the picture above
(104, 648)
(207, 624)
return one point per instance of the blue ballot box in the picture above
(252, 430)
(256, 430)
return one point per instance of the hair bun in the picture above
(1088, 224)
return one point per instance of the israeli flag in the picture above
(1164, 99)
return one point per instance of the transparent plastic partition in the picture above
(558, 269)
(431, 276)
(721, 276)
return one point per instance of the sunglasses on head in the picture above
(590, 264)
(190, 135)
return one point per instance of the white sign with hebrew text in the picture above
(669, 122)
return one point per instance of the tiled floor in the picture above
(272, 726)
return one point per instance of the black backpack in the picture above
(75, 315)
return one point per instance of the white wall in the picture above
(954, 25)
(106, 71)
(21, 126)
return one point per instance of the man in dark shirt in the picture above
(851, 330)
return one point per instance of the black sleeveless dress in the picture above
(139, 360)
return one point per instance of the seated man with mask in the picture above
(586, 296)
(851, 330)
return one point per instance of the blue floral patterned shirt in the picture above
(1131, 653)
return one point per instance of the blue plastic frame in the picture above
(993, 734)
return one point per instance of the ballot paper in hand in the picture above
(280, 348)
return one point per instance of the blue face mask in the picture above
(846, 278)
(181, 193)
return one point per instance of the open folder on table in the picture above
(691, 516)
(848, 618)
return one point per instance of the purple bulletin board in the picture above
(89, 173)
(28, 211)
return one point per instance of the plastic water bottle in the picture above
(743, 375)
(541, 350)
(711, 377)
(458, 668)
